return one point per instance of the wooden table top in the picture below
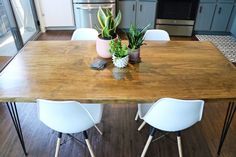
(60, 70)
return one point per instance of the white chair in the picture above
(157, 35)
(85, 34)
(69, 117)
(171, 115)
(153, 35)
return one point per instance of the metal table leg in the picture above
(228, 119)
(15, 118)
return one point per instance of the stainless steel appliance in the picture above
(86, 11)
(177, 17)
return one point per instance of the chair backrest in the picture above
(85, 34)
(95, 111)
(64, 116)
(170, 114)
(156, 34)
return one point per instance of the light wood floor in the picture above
(121, 138)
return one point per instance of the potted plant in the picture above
(108, 24)
(135, 38)
(119, 53)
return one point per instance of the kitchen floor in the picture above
(121, 138)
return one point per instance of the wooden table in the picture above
(60, 70)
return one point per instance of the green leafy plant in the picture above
(135, 36)
(118, 49)
(108, 23)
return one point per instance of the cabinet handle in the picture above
(219, 11)
(133, 7)
(141, 7)
(200, 10)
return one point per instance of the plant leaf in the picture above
(101, 17)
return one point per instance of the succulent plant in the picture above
(108, 23)
(118, 49)
(135, 36)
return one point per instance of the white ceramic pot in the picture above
(120, 62)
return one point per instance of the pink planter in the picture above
(102, 47)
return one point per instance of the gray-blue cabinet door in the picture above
(146, 14)
(204, 16)
(231, 19)
(221, 18)
(233, 27)
(128, 9)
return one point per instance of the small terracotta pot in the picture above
(120, 62)
(102, 47)
(134, 56)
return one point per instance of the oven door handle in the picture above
(93, 8)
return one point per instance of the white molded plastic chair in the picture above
(156, 34)
(69, 117)
(85, 34)
(171, 115)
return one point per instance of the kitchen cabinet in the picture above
(221, 17)
(204, 16)
(232, 18)
(57, 13)
(140, 13)
(233, 28)
(128, 10)
(146, 14)
(232, 23)
(214, 16)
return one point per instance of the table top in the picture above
(60, 70)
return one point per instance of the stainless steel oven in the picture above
(177, 17)
(86, 11)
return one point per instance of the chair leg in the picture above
(58, 144)
(179, 145)
(141, 126)
(136, 117)
(153, 130)
(88, 144)
(100, 132)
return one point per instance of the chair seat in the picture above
(143, 109)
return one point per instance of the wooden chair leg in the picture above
(88, 144)
(136, 117)
(141, 126)
(153, 130)
(100, 132)
(179, 145)
(58, 144)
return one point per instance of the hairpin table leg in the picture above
(15, 118)
(228, 119)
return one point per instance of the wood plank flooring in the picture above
(4, 61)
(121, 138)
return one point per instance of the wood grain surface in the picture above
(60, 70)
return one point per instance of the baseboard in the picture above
(61, 28)
(211, 33)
